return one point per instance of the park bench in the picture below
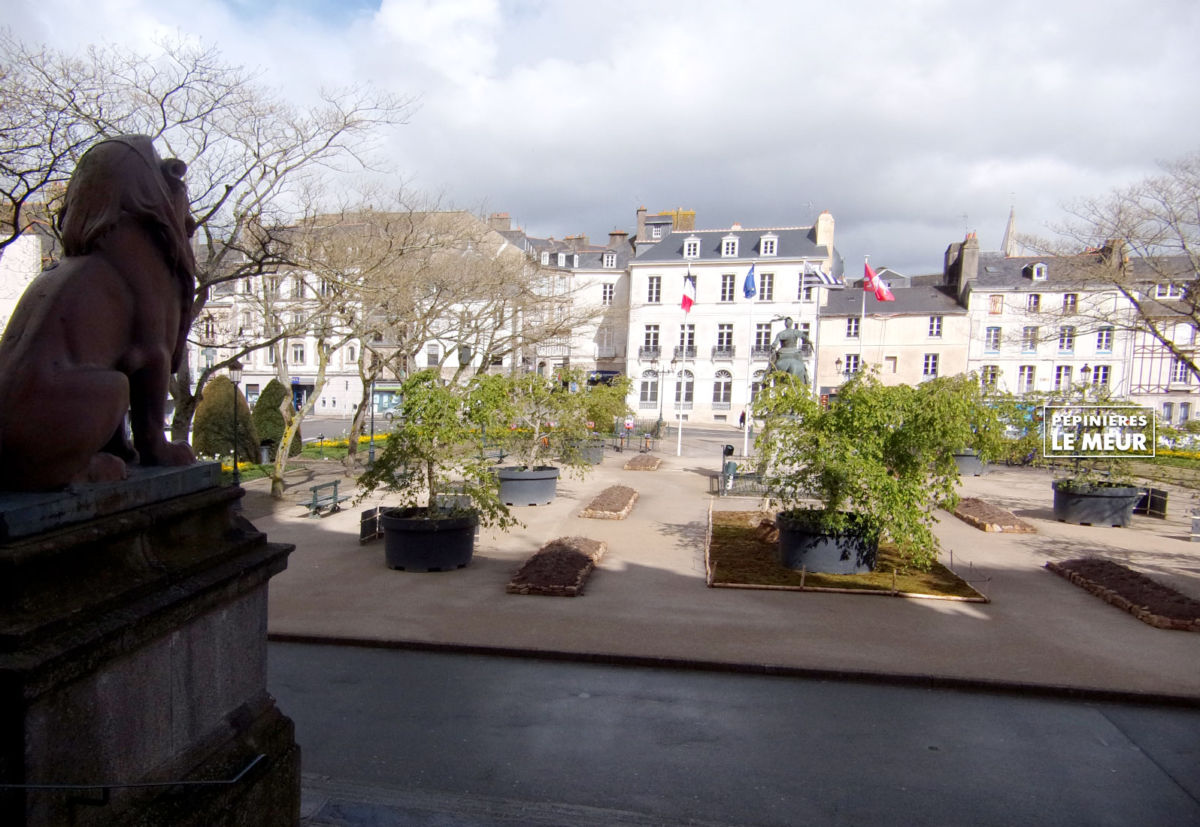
(325, 496)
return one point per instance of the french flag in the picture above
(689, 292)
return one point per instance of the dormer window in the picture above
(545, 258)
(1037, 272)
(729, 246)
(575, 260)
(691, 247)
(610, 259)
(1168, 291)
(768, 245)
(656, 232)
(562, 259)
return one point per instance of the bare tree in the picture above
(253, 157)
(1137, 252)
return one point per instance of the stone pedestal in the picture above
(133, 659)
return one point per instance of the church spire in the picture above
(1010, 246)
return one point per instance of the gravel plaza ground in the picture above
(647, 602)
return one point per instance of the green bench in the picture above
(325, 496)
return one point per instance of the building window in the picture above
(756, 383)
(545, 258)
(1025, 378)
(685, 385)
(432, 355)
(995, 304)
(562, 259)
(1100, 376)
(766, 287)
(650, 337)
(1039, 272)
(935, 327)
(691, 247)
(729, 247)
(852, 363)
(1104, 340)
(606, 294)
(1070, 301)
(807, 292)
(989, 377)
(930, 367)
(1168, 410)
(687, 342)
(351, 355)
(767, 245)
(852, 327)
(991, 339)
(722, 390)
(1185, 412)
(271, 355)
(727, 287)
(656, 232)
(1033, 302)
(649, 389)
(1066, 339)
(297, 353)
(762, 337)
(610, 260)
(1029, 339)
(725, 337)
(1179, 371)
(1168, 291)
(654, 290)
(1062, 378)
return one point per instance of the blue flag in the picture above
(748, 287)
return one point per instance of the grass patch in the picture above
(738, 555)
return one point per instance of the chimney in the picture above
(499, 221)
(641, 224)
(962, 265)
(1115, 254)
(824, 231)
(617, 239)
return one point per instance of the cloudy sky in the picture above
(910, 122)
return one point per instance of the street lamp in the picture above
(1085, 373)
(235, 376)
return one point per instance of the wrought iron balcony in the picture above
(688, 352)
(726, 353)
(649, 352)
(760, 352)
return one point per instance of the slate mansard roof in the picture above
(792, 243)
(918, 300)
(998, 272)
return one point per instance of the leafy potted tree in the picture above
(874, 464)
(1097, 489)
(446, 489)
(604, 405)
(547, 429)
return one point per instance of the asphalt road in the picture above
(403, 737)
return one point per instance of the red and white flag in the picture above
(872, 283)
(689, 291)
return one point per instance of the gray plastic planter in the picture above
(417, 543)
(533, 486)
(1094, 503)
(801, 546)
(969, 465)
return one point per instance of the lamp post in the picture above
(235, 376)
(371, 449)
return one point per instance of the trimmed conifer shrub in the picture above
(212, 428)
(268, 419)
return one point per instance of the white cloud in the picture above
(899, 118)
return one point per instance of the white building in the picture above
(706, 364)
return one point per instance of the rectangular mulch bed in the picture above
(1148, 600)
(987, 517)
(743, 554)
(559, 568)
(613, 503)
(643, 462)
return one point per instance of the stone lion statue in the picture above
(98, 335)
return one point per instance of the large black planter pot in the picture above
(1094, 503)
(803, 546)
(592, 451)
(969, 465)
(415, 542)
(533, 486)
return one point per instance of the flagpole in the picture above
(749, 367)
(816, 342)
(679, 383)
(862, 316)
